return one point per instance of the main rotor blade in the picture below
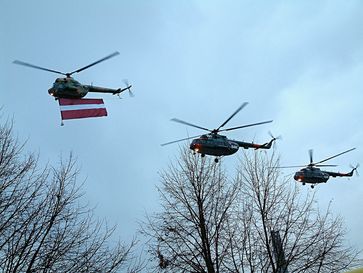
(325, 165)
(296, 166)
(96, 62)
(189, 124)
(302, 166)
(334, 156)
(171, 142)
(38, 67)
(243, 126)
(311, 156)
(228, 119)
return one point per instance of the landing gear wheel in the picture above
(312, 186)
(216, 160)
(303, 183)
(202, 155)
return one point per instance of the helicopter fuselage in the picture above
(214, 144)
(69, 88)
(311, 175)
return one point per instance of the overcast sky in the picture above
(299, 63)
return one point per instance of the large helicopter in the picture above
(313, 175)
(218, 145)
(69, 88)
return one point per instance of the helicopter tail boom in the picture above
(266, 145)
(247, 145)
(337, 174)
(349, 174)
(91, 88)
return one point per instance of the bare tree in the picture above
(312, 239)
(43, 226)
(209, 223)
(190, 234)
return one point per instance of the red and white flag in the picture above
(81, 108)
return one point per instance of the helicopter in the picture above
(69, 88)
(218, 145)
(313, 175)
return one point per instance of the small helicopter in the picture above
(69, 88)
(218, 145)
(313, 175)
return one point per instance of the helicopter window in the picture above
(75, 83)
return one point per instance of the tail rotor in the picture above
(354, 168)
(128, 87)
(268, 145)
(273, 137)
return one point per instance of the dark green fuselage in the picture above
(214, 144)
(69, 88)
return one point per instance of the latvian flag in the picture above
(81, 108)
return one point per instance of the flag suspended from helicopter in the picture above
(81, 108)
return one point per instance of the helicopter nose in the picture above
(195, 147)
(192, 144)
(298, 177)
(51, 92)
